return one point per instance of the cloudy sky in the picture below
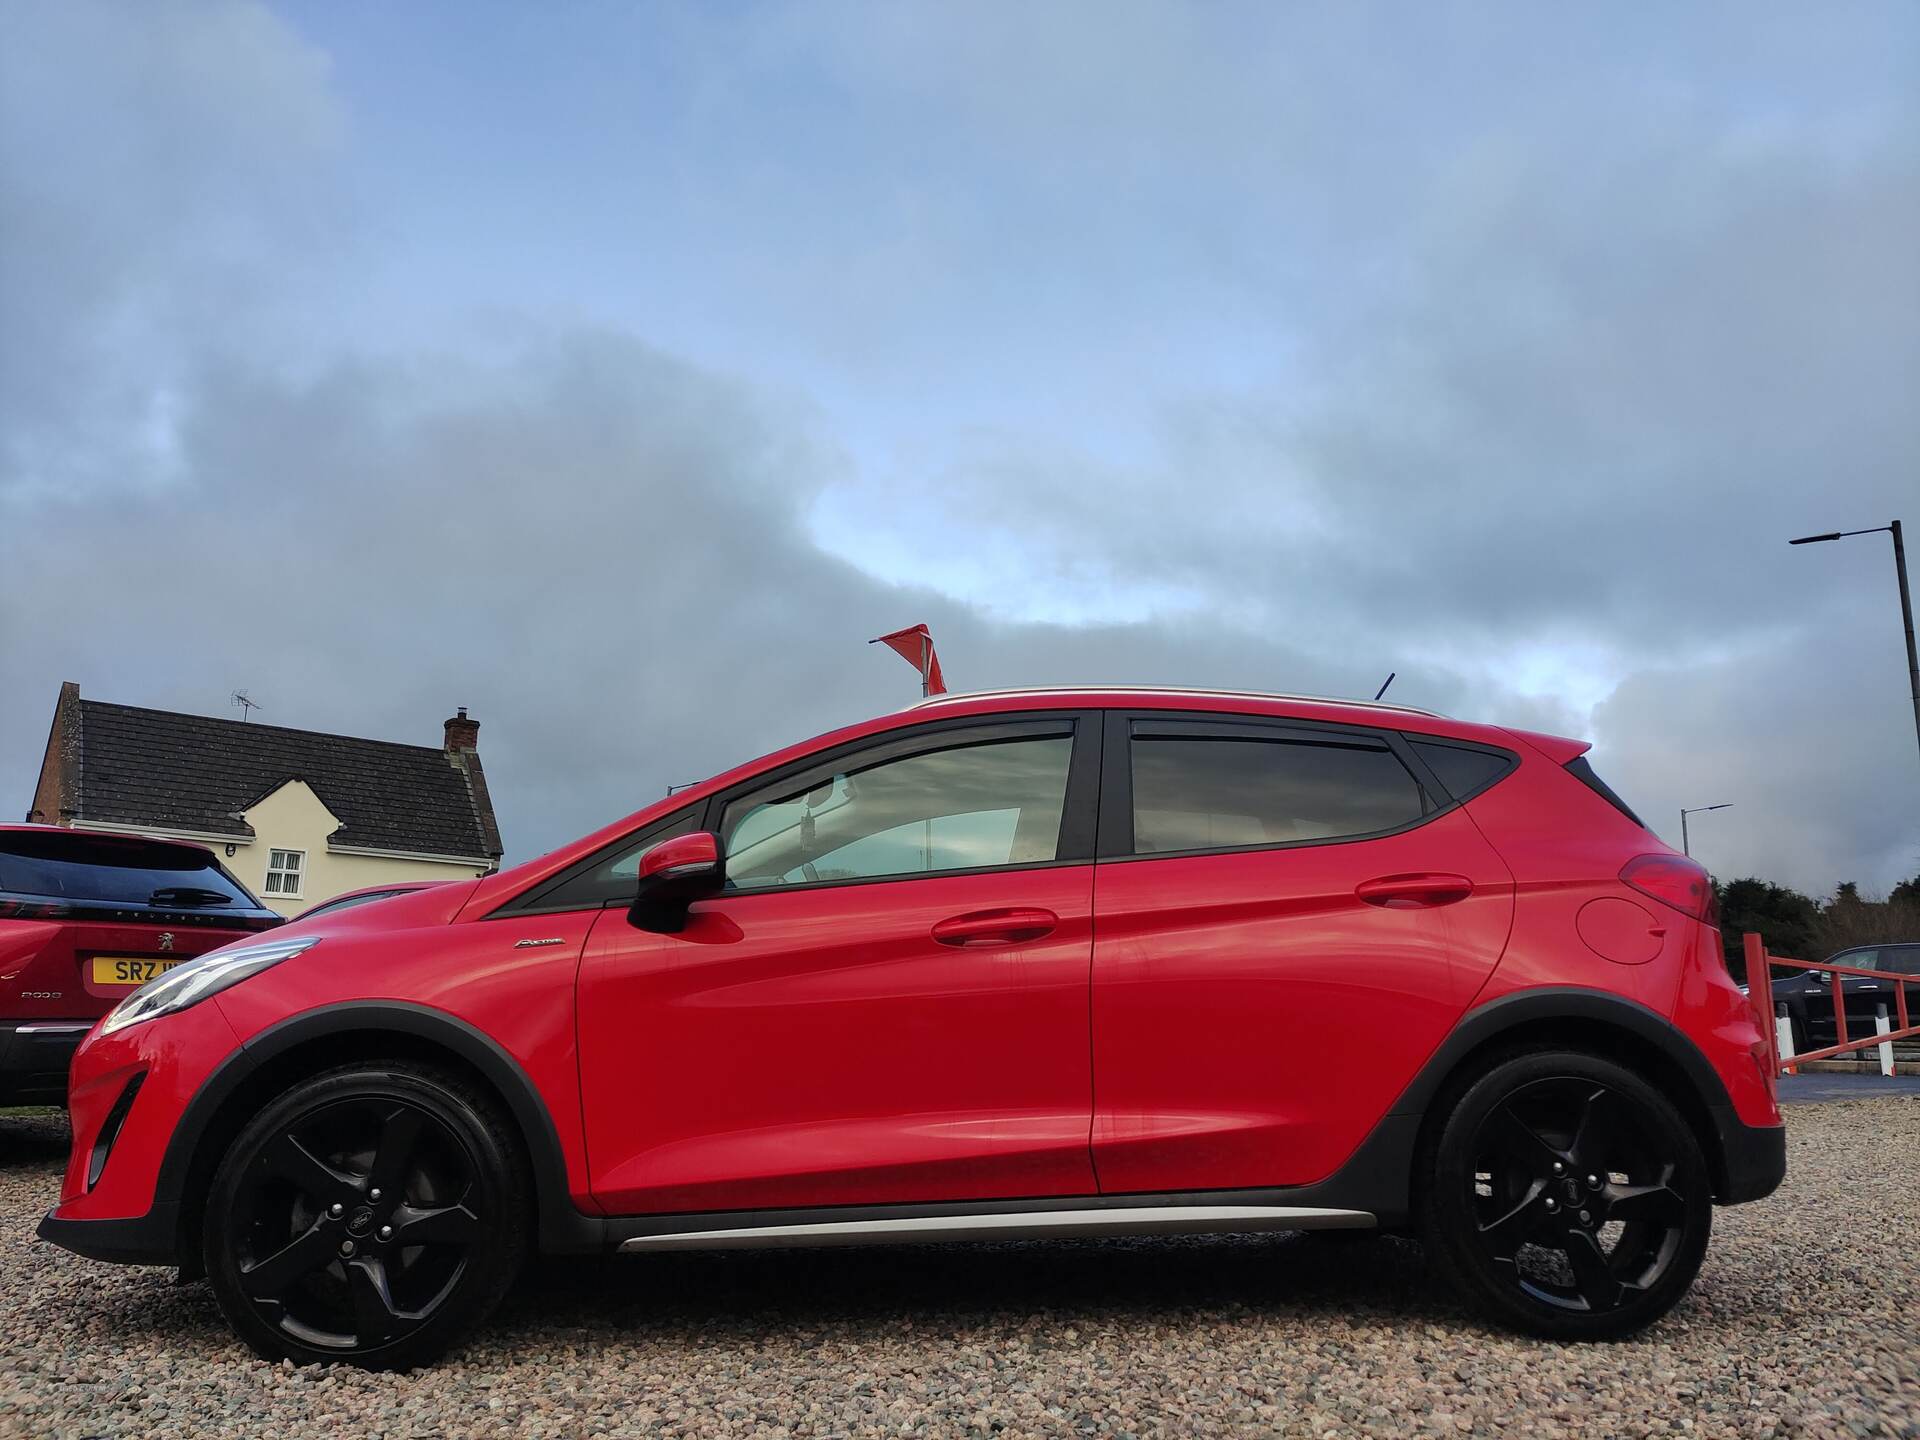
(617, 371)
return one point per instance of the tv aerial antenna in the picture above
(246, 703)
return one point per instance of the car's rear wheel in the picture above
(1567, 1197)
(372, 1214)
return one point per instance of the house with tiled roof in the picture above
(298, 815)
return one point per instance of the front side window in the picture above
(967, 807)
(1211, 792)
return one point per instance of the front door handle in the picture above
(978, 929)
(1414, 892)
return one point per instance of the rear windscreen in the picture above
(68, 866)
(1584, 773)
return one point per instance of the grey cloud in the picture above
(1578, 328)
(1808, 740)
(163, 170)
(1600, 412)
(595, 547)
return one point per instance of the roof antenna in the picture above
(246, 703)
(1384, 683)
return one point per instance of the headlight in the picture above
(198, 978)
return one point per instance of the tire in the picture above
(307, 1250)
(1599, 1248)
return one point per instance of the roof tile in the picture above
(194, 772)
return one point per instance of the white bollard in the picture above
(1783, 1036)
(1881, 1027)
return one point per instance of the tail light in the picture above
(1674, 880)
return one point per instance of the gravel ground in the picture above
(1804, 1322)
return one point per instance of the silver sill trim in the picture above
(1023, 1225)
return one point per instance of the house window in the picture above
(283, 871)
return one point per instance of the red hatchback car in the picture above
(1025, 964)
(85, 920)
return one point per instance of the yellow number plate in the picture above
(125, 970)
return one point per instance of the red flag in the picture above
(915, 646)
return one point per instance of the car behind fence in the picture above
(1779, 1035)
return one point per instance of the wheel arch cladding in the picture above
(1578, 1019)
(333, 1035)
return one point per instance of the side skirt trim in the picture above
(1003, 1225)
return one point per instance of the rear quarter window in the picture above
(1464, 772)
(1582, 770)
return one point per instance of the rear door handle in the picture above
(1414, 892)
(979, 929)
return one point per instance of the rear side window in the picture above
(1584, 773)
(1464, 772)
(1219, 793)
(1901, 959)
(69, 865)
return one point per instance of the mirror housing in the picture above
(674, 874)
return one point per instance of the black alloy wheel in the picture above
(370, 1215)
(1570, 1198)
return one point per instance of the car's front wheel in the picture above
(1567, 1197)
(372, 1214)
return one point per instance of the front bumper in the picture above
(1754, 1158)
(35, 1056)
(120, 1197)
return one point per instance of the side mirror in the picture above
(674, 874)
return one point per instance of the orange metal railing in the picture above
(1760, 967)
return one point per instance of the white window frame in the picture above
(296, 872)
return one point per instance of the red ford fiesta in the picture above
(1058, 963)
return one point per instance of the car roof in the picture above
(1155, 695)
(109, 835)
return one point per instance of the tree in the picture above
(1907, 892)
(1785, 919)
(1849, 920)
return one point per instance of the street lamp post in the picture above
(1906, 599)
(1685, 848)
